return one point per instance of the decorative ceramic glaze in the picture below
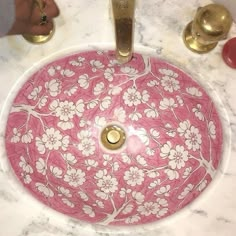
(171, 151)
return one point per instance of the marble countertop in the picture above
(158, 30)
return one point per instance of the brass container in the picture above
(210, 25)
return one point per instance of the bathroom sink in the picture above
(113, 144)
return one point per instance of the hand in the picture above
(28, 17)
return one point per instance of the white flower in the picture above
(65, 125)
(128, 209)
(108, 184)
(152, 83)
(165, 150)
(172, 174)
(135, 116)
(194, 92)
(128, 70)
(138, 197)
(134, 176)
(114, 90)
(183, 127)
(69, 158)
(64, 192)
(16, 136)
(202, 185)
(193, 138)
(53, 87)
(109, 73)
(87, 146)
(45, 190)
(78, 62)
(148, 208)
(178, 157)
(71, 91)
(91, 164)
(212, 129)
(88, 210)
(120, 114)
(99, 88)
(79, 107)
(150, 152)
(27, 137)
(162, 202)
(198, 113)
(143, 136)
(67, 73)
(96, 65)
(35, 93)
(65, 110)
(151, 112)
(83, 81)
(68, 203)
(145, 96)
(25, 166)
(105, 103)
(164, 191)
(168, 82)
(186, 191)
(41, 166)
(83, 196)
(74, 177)
(187, 172)
(51, 140)
(162, 212)
(132, 97)
(26, 178)
(132, 219)
(168, 104)
(101, 194)
(56, 171)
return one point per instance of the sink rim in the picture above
(142, 50)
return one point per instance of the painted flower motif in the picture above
(78, 62)
(41, 166)
(87, 144)
(152, 112)
(88, 210)
(168, 81)
(138, 197)
(26, 178)
(35, 93)
(97, 65)
(178, 157)
(183, 127)
(135, 116)
(134, 176)
(165, 150)
(194, 92)
(132, 97)
(172, 174)
(148, 208)
(168, 104)
(109, 73)
(212, 130)
(16, 136)
(128, 70)
(68, 202)
(164, 191)
(65, 110)
(108, 184)
(83, 81)
(26, 167)
(120, 114)
(133, 219)
(99, 88)
(27, 137)
(193, 138)
(45, 190)
(64, 192)
(53, 87)
(74, 177)
(198, 113)
(52, 140)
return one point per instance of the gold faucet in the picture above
(123, 15)
(210, 25)
(39, 39)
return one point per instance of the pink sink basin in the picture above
(111, 144)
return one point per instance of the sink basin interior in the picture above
(113, 144)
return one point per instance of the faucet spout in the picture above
(123, 14)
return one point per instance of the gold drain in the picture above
(113, 137)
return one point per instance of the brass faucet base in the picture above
(193, 44)
(38, 39)
(113, 137)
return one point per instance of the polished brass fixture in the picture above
(210, 25)
(123, 15)
(39, 39)
(113, 137)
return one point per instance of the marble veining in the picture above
(159, 27)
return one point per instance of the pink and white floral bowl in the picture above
(173, 138)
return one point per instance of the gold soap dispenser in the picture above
(210, 25)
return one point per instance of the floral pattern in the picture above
(172, 151)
